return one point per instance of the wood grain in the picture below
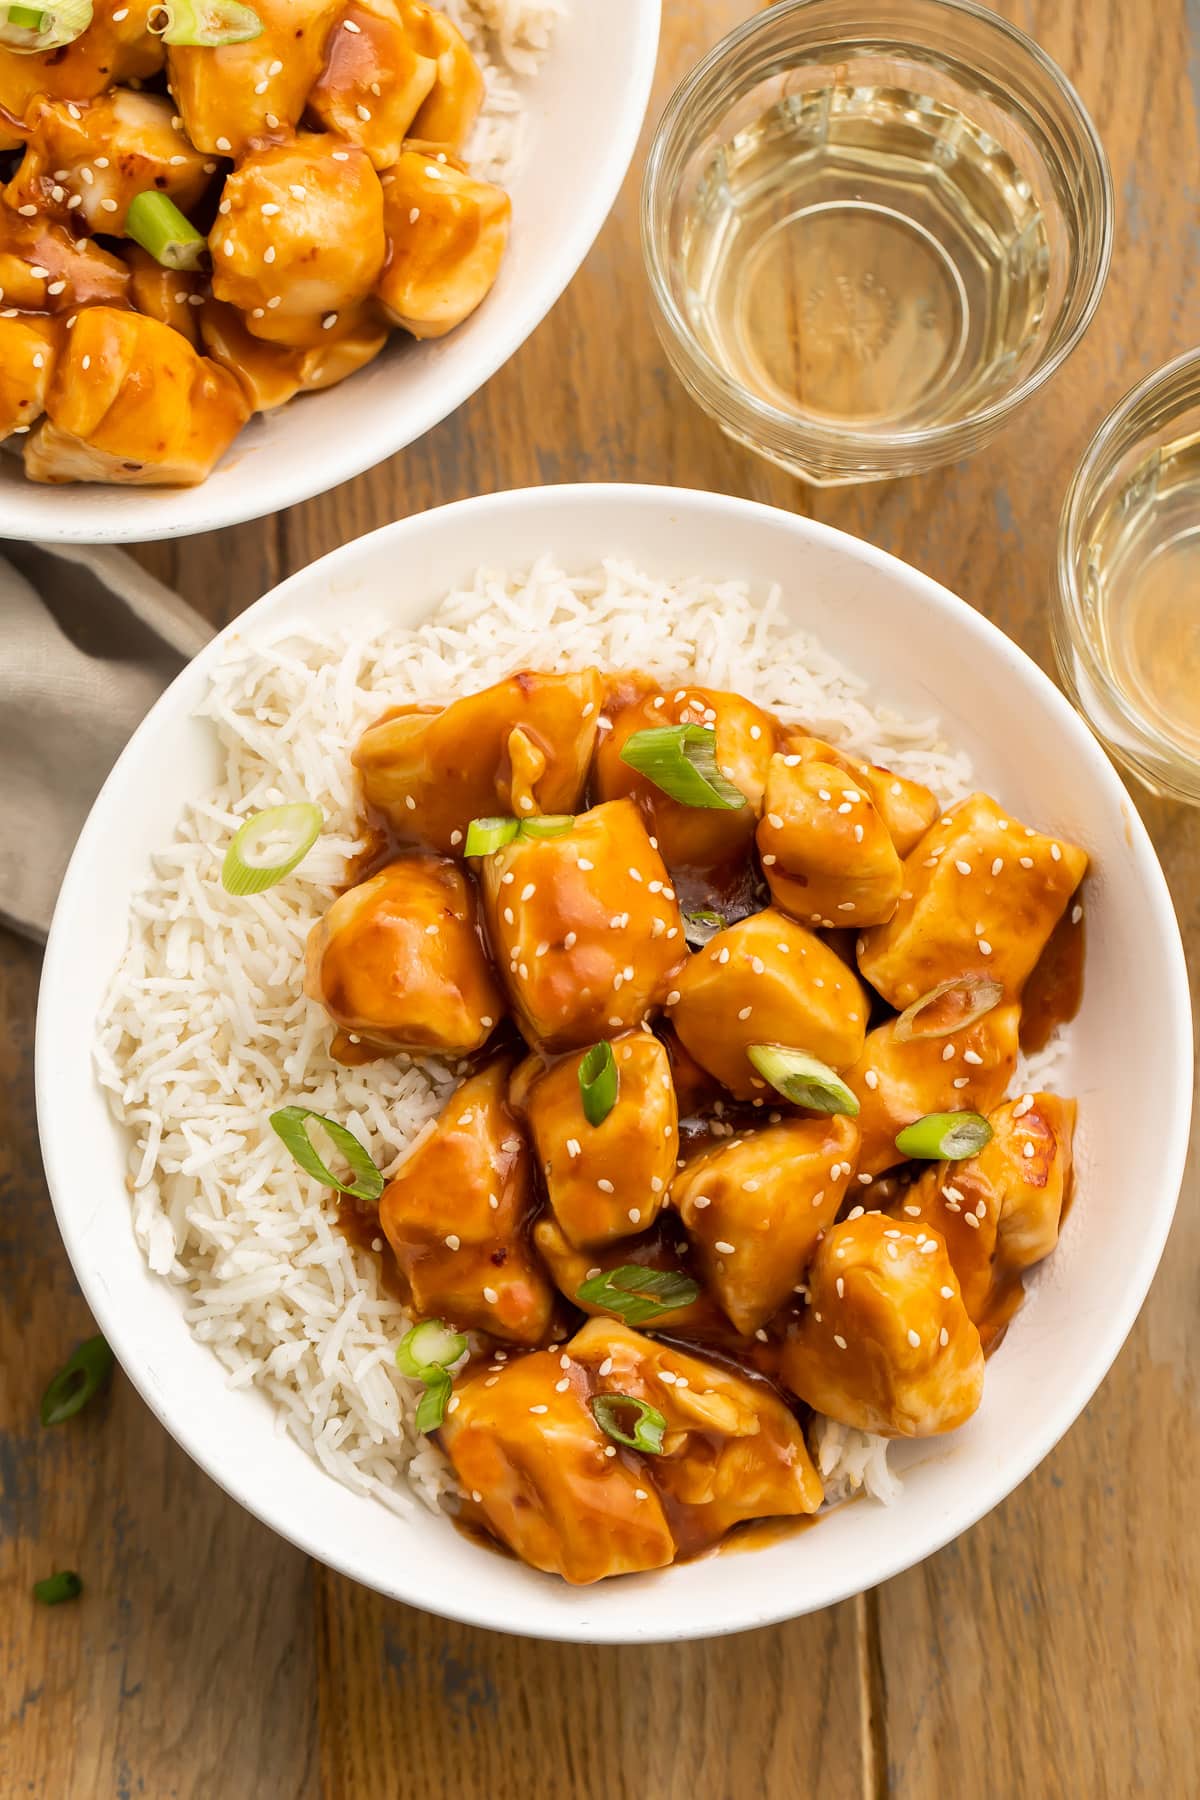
(1052, 1651)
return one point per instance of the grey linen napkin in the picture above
(88, 641)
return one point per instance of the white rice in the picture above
(508, 39)
(207, 1030)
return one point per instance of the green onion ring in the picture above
(682, 761)
(649, 1423)
(945, 1136)
(155, 222)
(547, 825)
(979, 992)
(291, 1124)
(486, 835)
(639, 1295)
(33, 30)
(425, 1354)
(702, 925)
(79, 1380)
(599, 1081)
(269, 845)
(208, 22)
(803, 1080)
(52, 1590)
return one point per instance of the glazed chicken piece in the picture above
(663, 1247)
(766, 980)
(456, 1215)
(298, 241)
(116, 47)
(447, 115)
(44, 269)
(984, 894)
(885, 1343)
(519, 748)
(610, 1180)
(545, 1479)
(172, 296)
(897, 1082)
(446, 237)
(1000, 1212)
(398, 961)
(827, 855)
(126, 144)
(133, 404)
(234, 93)
(584, 928)
(690, 837)
(755, 1207)
(270, 374)
(732, 1450)
(906, 808)
(373, 81)
(29, 349)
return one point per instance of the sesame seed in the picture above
(490, 1295)
(635, 1215)
(223, 143)
(1056, 853)
(961, 1081)
(997, 865)
(486, 1021)
(349, 25)
(822, 793)
(701, 1201)
(606, 1366)
(269, 209)
(1027, 1148)
(74, 201)
(509, 915)
(745, 1012)
(1026, 862)
(528, 891)
(56, 287)
(539, 1409)
(260, 87)
(585, 865)
(724, 1248)
(964, 868)
(858, 834)
(39, 360)
(296, 191)
(973, 1057)
(845, 807)
(943, 1337)
(914, 1338)
(227, 246)
(570, 941)
(270, 120)
(856, 1212)
(774, 821)
(971, 1220)
(769, 861)
(839, 1340)
(453, 1242)
(985, 949)
(276, 68)
(845, 906)
(27, 212)
(949, 1053)
(339, 155)
(87, 362)
(605, 1186)
(269, 254)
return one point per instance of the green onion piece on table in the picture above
(598, 1083)
(426, 1354)
(156, 223)
(803, 1080)
(79, 1380)
(630, 1421)
(269, 845)
(701, 925)
(486, 835)
(950, 1006)
(547, 825)
(639, 1295)
(32, 30)
(945, 1137)
(207, 22)
(291, 1124)
(54, 1589)
(682, 761)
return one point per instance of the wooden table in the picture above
(1053, 1650)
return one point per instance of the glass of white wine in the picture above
(872, 229)
(1127, 623)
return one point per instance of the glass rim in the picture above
(1069, 613)
(746, 408)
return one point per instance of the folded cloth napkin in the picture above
(88, 641)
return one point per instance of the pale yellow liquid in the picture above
(868, 257)
(1142, 592)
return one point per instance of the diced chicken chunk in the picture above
(731, 1451)
(449, 112)
(898, 1082)
(270, 374)
(584, 927)
(446, 237)
(885, 1343)
(398, 960)
(126, 144)
(906, 807)
(756, 1205)
(456, 1215)
(166, 294)
(117, 47)
(132, 403)
(525, 1442)
(766, 980)
(609, 1180)
(828, 856)
(985, 892)
(301, 243)
(29, 349)
(44, 269)
(690, 837)
(520, 748)
(373, 82)
(234, 94)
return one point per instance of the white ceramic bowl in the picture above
(586, 106)
(1130, 1062)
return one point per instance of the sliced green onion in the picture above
(291, 1124)
(637, 1294)
(79, 1380)
(210, 22)
(547, 825)
(486, 835)
(425, 1354)
(945, 1137)
(682, 761)
(54, 1589)
(803, 1080)
(974, 995)
(647, 1423)
(32, 30)
(269, 845)
(156, 223)
(598, 1083)
(701, 925)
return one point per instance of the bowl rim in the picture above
(814, 433)
(1171, 1151)
(81, 517)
